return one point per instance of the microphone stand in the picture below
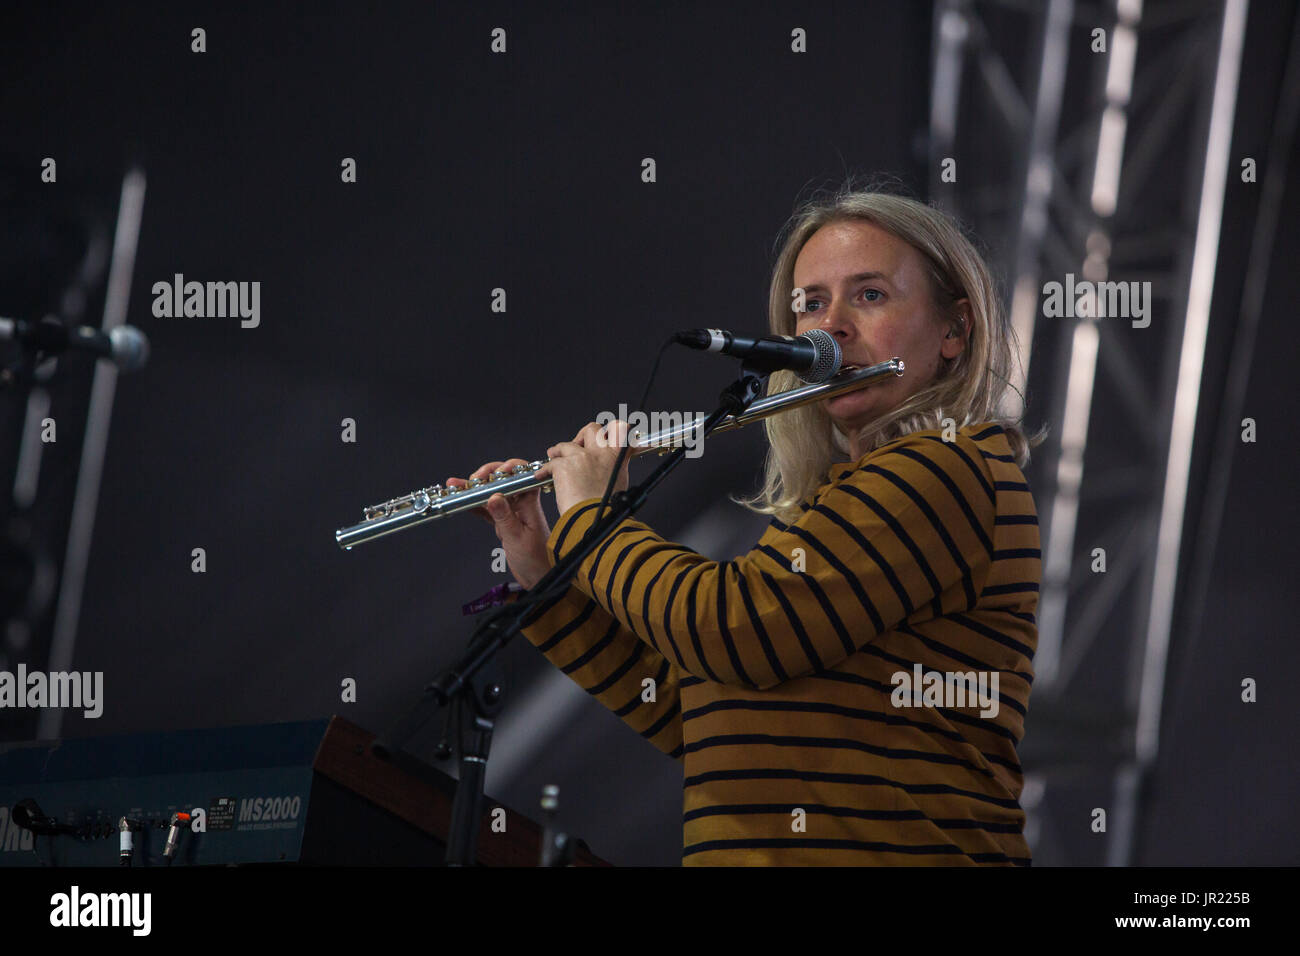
(465, 685)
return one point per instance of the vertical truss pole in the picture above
(948, 50)
(1037, 188)
(1083, 350)
(1183, 424)
(94, 446)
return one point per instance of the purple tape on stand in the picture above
(494, 598)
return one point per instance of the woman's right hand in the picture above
(518, 522)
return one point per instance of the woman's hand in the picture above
(518, 522)
(581, 467)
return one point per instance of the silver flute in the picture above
(435, 501)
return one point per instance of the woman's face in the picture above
(869, 289)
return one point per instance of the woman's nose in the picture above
(836, 320)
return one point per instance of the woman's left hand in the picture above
(581, 467)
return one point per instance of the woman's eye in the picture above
(871, 295)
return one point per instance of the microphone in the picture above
(814, 355)
(125, 346)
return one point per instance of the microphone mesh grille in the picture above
(828, 356)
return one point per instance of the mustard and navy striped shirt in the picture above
(775, 678)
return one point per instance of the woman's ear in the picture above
(954, 343)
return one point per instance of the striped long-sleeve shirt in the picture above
(809, 687)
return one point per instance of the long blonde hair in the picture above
(968, 389)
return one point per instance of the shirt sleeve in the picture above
(908, 532)
(609, 662)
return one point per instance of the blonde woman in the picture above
(852, 690)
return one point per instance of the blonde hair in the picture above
(968, 389)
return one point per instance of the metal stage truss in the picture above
(1052, 145)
